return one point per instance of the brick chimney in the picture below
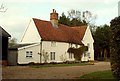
(54, 18)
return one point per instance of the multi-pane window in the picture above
(29, 54)
(52, 55)
(88, 44)
(70, 55)
(53, 44)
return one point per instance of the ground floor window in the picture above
(85, 54)
(70, 55)
(29, 54)
(52, 55)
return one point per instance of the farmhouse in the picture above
(51, 41)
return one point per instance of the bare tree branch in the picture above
(3, 8)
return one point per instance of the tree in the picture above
(77, 18)
(2, 8)
(78, 52)
(64, 20)
(12, 42)
(102, 42)
(115, 46)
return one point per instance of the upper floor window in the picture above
(53, 43)
(29, 54)
(76, 45)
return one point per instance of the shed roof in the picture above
(4, 33)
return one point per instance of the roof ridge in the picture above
(63, 33)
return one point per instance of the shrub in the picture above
(115, 47)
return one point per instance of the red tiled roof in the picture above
(61, 34)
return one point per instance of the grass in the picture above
(99, 75)
(58, 65)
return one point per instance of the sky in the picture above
(19, 12)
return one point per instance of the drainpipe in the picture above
(41, 51)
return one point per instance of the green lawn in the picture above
(99, 75)
(58, 65)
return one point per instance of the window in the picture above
(88, 44)
(53, 44)
(85, 54)
(70, 55)
(28, 54)
(76, 45)
(70, 44)
(52, 55)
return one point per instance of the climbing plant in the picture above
(45, 56)
(78, 52)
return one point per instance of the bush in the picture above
(115, 47)
(101, 59)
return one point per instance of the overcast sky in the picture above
(19, 12)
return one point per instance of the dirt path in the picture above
(26, 72)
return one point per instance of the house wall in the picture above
(60, 51)
(22, 59)
(31, 34)
(88, 39)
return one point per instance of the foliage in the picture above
(58, 65)
(12, 42)
(98, 75)
(78, 52)
(102, 37)
(115, 46)
(64, 20)
(63, 57)
(77, 18)
(45, 56)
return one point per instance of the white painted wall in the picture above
(60, 50)
(88, 39)
(31, 34)
(22, 59)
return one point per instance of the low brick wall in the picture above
(4, 62)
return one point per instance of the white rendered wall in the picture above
(88, 39)
(60, 51)
(31, 34)
(22, 55)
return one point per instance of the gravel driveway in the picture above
(71, 72)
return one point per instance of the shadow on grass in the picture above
(99, 75)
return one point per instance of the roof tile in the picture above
(61, 34)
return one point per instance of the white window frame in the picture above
(29, 54)
(52, 55)
(53, 44)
